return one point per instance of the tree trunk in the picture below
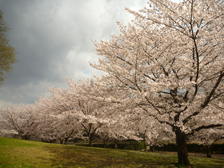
(26, 137)
(115, 144)
(208, 150)
(61, 141)
(145, 145)
(152, 148)
(66, 140)
(90, 140)
(181, 142)
(104, 143)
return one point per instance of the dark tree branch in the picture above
(204, 127)
(208, 98)
(189, 117)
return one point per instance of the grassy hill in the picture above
(23, 153)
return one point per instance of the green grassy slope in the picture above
(22, 153)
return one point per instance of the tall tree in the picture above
(170, 60)
(7, 52)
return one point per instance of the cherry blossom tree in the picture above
(208, 138)
(62, 127)
(49, 137)
(4, 130)
(150, 130)
(118, 129)
(23, 120)
(80, 100)
(67, 127)
(90, 104)
(170, 60)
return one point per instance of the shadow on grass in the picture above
(207, 162)
(73, 156)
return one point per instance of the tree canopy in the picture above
(170, 60)
(164, 78)
(7, 52)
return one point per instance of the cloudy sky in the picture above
(53, 41)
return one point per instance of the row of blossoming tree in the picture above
(84, 110)
(164, 77)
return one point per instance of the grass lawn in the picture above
(23, 153)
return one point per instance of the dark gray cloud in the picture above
(53, 40)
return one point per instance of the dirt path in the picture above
(217, 156)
